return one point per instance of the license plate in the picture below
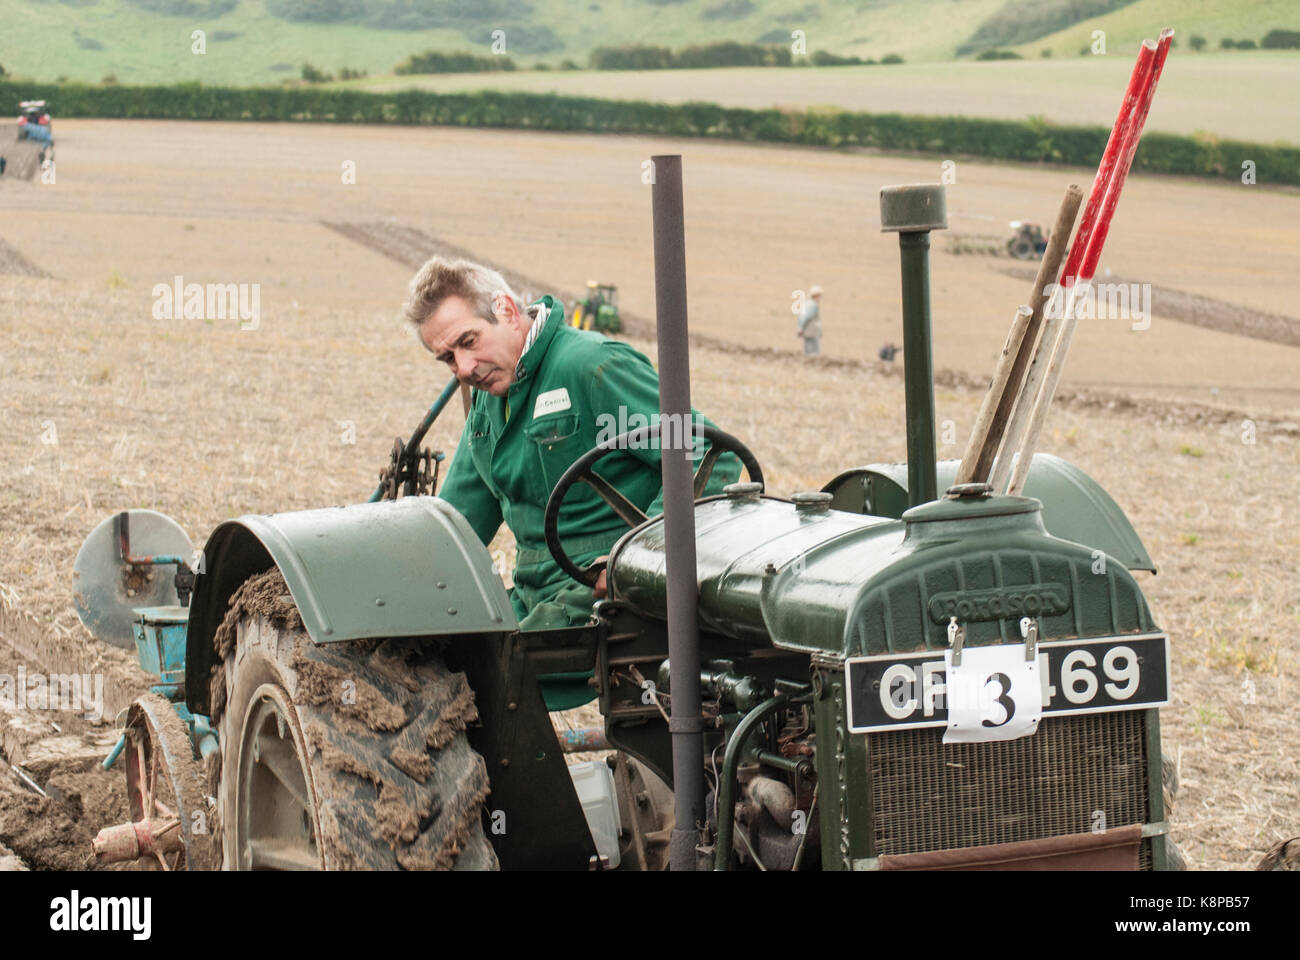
(1094, 675)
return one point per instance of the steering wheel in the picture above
(582, 471)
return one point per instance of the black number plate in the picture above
(1078, 676)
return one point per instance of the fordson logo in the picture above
(1000, 603)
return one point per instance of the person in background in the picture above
(810, 322)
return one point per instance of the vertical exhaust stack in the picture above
(912, 211)
(686, 723)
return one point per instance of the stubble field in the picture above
(107, 407)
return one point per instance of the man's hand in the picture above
(601, 588)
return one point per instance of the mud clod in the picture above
(54, 832)
(217, 692)
(265, 594)
(416, 765)
(349, 695)
(336, 759)
(397, 821)
(459, 712)
(462, 809)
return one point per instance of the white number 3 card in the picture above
(995, 694)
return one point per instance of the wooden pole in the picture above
(992, 420)
(1026, 400)
(1154, 55)
(969, 471)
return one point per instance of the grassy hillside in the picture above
(265, 41)
(1211, 19)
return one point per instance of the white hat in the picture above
(816, 291)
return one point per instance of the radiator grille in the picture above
(927, 796)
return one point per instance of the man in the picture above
(810, 323)
(544, 393)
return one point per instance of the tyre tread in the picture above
(378, 806)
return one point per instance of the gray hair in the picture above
(443, 277)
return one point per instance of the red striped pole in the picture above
(1119, 135)
(1086, 250)
(1098, 238)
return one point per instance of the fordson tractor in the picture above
(348, 687)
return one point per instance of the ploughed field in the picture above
(109, 404)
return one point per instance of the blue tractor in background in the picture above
(32, 146)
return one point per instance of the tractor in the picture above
(1027, 241)
(599, 309)
(32, 147)
(869, 676)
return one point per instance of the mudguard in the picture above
(404, 568)
(1075, 507)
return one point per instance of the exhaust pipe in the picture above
(685, 724)
(912, 212)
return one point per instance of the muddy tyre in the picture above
(348, 756)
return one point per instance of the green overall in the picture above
(566, 398)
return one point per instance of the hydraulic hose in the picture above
(726, 782)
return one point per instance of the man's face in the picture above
(479, 353)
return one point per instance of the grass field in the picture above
(87, 40)
(205, 421)
(1250, 96)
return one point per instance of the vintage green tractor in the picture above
(879, 678)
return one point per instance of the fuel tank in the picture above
(804, 577)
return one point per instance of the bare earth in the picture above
(109, 408)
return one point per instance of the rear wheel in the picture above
(1022, 248)
(23, 159)
(348, 756)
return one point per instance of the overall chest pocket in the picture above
(558, 444)
(481, 445)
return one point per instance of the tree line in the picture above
(1031, 140)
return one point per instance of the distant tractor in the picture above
(1028, 242)
(32, 145)
(599, 309)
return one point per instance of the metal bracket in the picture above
(956, 637)
(1029, 630)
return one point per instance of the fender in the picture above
(1075, 506)
(397, 568)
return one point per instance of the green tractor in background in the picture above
(599, 309)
